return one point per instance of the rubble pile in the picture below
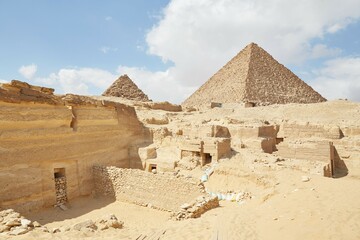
(103, 223)
(12, 223)
(60, 188)
(196, 208)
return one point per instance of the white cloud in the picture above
(199, 37)
(160, 85)
(79, 80)
(3, 81)
(321, 50)
(339, 25)
(28, 71)
(106, 49)
(339, 78)
(108, 18)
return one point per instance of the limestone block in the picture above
(147, 153)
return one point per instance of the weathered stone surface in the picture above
(162, 191)
(253, 76)
(86, 224)
(37, 137)
(109, 221)
(17, 91)
(18, 231)
(13, 223)
(166, 106)
(36, 224)
(25, 222)
(196, 208)
(4, 228)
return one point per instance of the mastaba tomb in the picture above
(253, 76)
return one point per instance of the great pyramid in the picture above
(253, 75)
(124, 87)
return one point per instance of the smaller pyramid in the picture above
(124, 87)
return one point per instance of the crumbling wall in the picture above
(256, 137)
(202, 131)
(162, 191)
(308, 150)
(306, 130)
(39, 134)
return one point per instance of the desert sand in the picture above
(282, 207)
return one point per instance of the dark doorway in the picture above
(152, 167)
(207, 158)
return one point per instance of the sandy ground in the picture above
(282, 207)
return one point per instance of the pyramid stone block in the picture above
(253, 76)
(124, 87)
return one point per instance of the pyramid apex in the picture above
(252, 44)
(123, 76)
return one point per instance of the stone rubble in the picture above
(12, 223)
(60, 188)
(103, 223)
(196, 208)
(231, 196)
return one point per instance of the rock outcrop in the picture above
(253, 76)
(124, 87)
(42, 134)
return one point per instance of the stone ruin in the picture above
(60, 147)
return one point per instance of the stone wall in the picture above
(306, 130)
(39, 134)
(202, 131)
(305, 149)
(161, 191)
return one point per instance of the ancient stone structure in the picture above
(208, 149)
(161, 191)
(253, 76)
(124, 87)
(41, 133)
(196, 208)
(49, 145)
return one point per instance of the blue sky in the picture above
(170, 47)
(57, 34)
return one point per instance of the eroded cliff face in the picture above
(44, 136)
